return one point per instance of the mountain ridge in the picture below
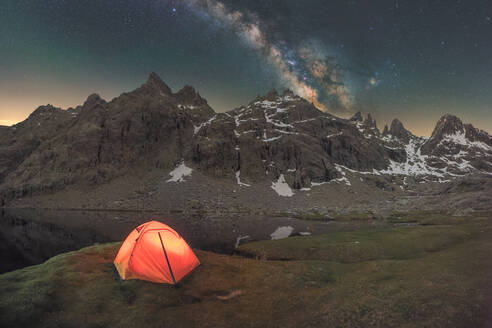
(281, 138)
(154, 81)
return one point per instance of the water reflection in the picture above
(33, 236)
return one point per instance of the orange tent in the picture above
(155, 252)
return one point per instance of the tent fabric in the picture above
(155, 252)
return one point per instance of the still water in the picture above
(29, 237)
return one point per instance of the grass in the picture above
(360, 245)
(354, 217)
(436, 218)
(315, 215)
(312, 216)
(424, 276)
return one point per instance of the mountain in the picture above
(281, 141)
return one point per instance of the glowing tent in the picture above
(155, 252)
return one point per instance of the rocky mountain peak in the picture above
(288, 92)
(370, 122)
(398, 130)
(187, 91)
(92, 100)
(396, 126)
(451, 130)
(447, 125)
(357, 117)
(154, 82)
(452, 141)
(272, 94)
(278, 139)
(44, 109)
(385, 130)
(188, 95)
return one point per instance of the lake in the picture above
(32, 236)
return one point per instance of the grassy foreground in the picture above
(421, 276)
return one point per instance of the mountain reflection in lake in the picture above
(31, 237)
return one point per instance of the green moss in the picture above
(431, 276)
(354, 217)
(313, 216)
(361, 245)
(319, 216)
(427, 218)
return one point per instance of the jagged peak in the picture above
(288, 92)
(188, 95)
(370, 122)
(396, 125)
(272, 94)
(451, 125)
(155, 82)
(92, 100)
(449, 116)
(187, 90)
(357, 117)
(398, 130)
(385, 130)
(447, 124)
(44, 108)
(450, 121)
(451, 129)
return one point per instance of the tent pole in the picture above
(167, 260)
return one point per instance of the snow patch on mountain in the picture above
(282, 188)
(459, 138)
(343, 178)
(239, 239)
(415, 164)
(238, 179)
(272, 139)
(198, 128)
(282, 232)
(181, 106)
(268, 119)
(334, 135)
(179, 173)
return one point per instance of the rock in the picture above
(151, 129)
(398, 130)
(357, 117)
(463, 212)
(385, 130)
(370, 122)
(93, 100)
(187, 96)
(154, 82)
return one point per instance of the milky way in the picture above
(307, 68)
(411, 60)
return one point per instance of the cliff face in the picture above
(278, 135)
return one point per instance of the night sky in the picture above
(412, 60)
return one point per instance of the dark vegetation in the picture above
(435, 275)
